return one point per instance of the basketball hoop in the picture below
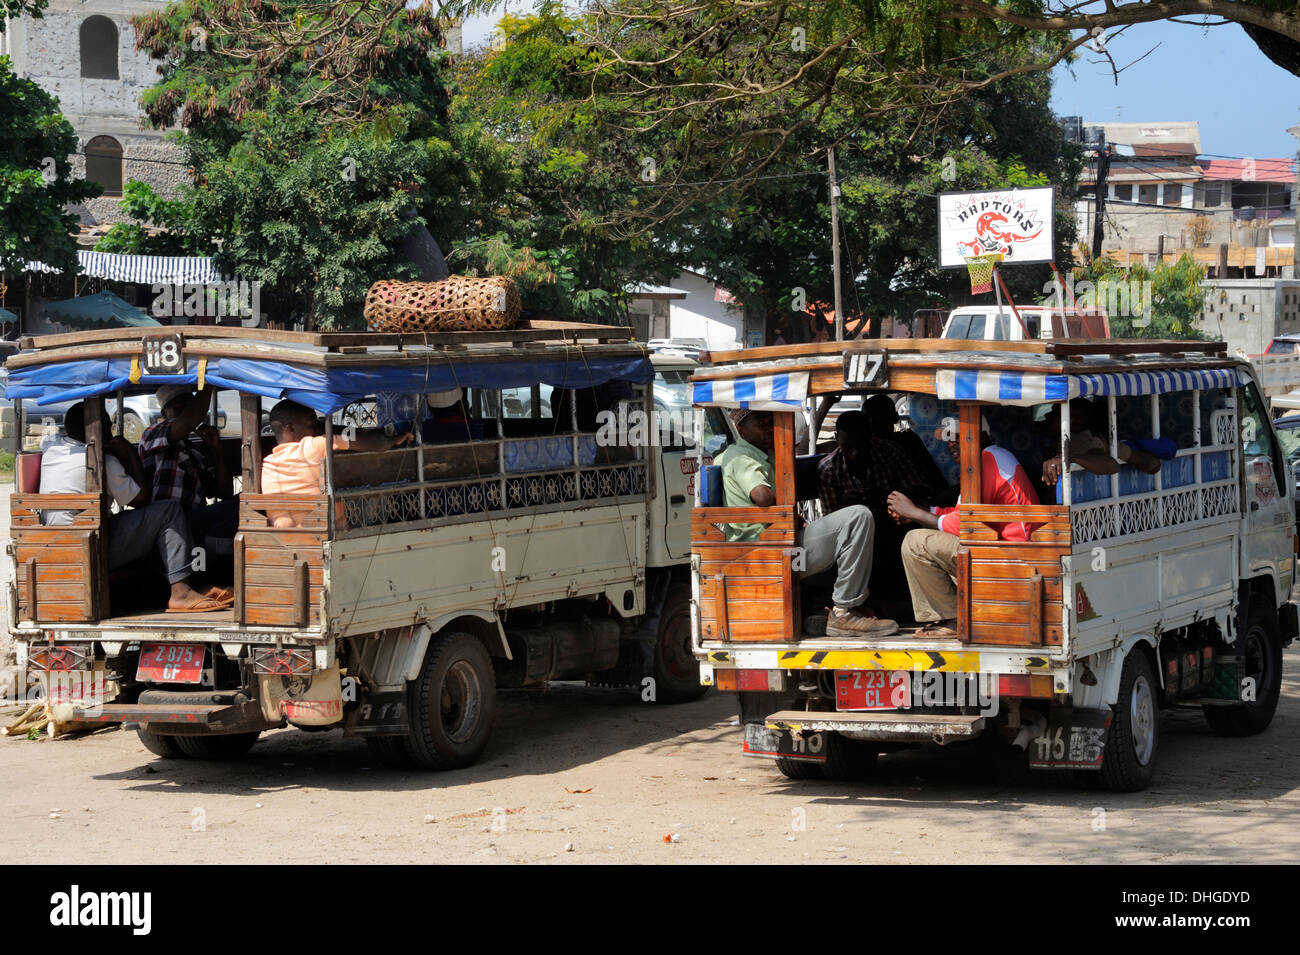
(980, 268)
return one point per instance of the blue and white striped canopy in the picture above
(784, 391)
(1032, 388)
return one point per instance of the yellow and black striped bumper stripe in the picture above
(879, 660)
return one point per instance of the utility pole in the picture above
(835, 244)
(1103, 167)
(1295, 212)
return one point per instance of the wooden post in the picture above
(93, 409)
(969, 418)
(1036, 610)
(783, 457)
(1223, 261)
(250, 448)
(239, 578)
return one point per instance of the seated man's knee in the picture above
(859, 514)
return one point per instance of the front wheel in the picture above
(452, 703)
(1129, 760)
(799, 768)
(676, 671)
(159, 745)
(1260, 649)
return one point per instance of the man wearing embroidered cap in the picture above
(842, 540)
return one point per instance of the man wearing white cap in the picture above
(183, 459)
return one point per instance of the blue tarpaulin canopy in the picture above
(325, 390)
(1031, 388)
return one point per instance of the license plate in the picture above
(873, 689)
(761, 741)
(171, 663)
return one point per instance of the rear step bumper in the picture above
(890, 725)
(214, 716)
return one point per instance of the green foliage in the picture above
(1162, 303)
(19, 8)
(174, 217)
(36, 178)
(319, 139)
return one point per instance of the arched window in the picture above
(104, 164)
(98, 48)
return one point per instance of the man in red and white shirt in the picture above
(930, 552)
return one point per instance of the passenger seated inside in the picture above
(1089, 445)
(863, 469)
(132, 533)
(842, 540)
(930, 551)
(882, 414)
(182, 457)
(297, 463)
(447, 421)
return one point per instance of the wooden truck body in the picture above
(540, 544)
(1132, 592)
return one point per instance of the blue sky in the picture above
(1216, 76)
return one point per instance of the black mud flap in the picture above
(1074, 739)
(378, 714)
(761, 741)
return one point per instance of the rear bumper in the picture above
(892, 726)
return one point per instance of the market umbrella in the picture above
(104, 310)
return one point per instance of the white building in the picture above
(84, 53)
(697, 308)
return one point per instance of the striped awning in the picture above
(1032, 388)
(784, 391)
(145, 269)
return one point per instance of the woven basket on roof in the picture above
(456, 304)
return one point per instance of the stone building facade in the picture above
(83, 52)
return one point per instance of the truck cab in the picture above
(1024, 323)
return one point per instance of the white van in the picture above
(994, 323)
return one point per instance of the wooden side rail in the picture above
(280, 570)
(748, 589)
(1009, 592)
(59, 577)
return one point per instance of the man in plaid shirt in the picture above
(864, 469)
(184, 463)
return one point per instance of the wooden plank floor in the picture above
(161, 618)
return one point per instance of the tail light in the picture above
(58, 659)
(283, 661)
(761, 681)
(1037, 686)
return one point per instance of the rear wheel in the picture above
(159, 745)
(1261, 651)
(848, 760)
(676, 671)
(799, 768)
(216, 748)
(1129, 760)
(452, 703)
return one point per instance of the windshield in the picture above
(1289, 436)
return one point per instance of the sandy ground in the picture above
(577, 774)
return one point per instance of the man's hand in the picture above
(901, 508)
(406, 437)
(1051, 470)
(121, 449)
(210, 437)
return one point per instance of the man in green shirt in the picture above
(842, 540)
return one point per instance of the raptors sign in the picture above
(1016, 223)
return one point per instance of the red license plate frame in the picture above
(171, 663)
(857, 690)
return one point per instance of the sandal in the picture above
(935, 630)
(223, 594)
(203, 605)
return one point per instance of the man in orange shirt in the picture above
(297, 464)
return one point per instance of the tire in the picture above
(848, 760)
(799, 769)
(160, 745)
(676, 671)
(216, 748)
(1133, 739)
(132, 427)
(390, 750)
(452, 703)
(1262, 648)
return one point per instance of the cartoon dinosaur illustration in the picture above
(990, 238)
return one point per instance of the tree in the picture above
(36, 180)
(172, 221)
(1274, 25)
(318, 137)
(1161, 303)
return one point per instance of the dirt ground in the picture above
(577, 774)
